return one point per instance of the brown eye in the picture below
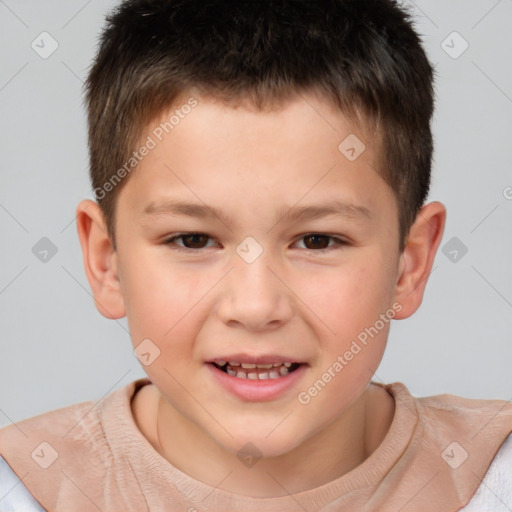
(194, 240)
(189, 241)
(316, 241)
(321, 242)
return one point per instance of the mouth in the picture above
(260, 378)
(257, 371)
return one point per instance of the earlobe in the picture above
(418, 257)
(100, 260)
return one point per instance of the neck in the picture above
(329, 454)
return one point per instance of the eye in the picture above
(318, 241)
(190, 240)
(196, 241)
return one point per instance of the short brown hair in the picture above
(364, 56)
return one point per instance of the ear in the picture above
(418, 257)
(100, 260)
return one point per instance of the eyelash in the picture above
(339, 242)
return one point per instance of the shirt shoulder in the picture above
(495, 491)
(14, 496)
(46, 453)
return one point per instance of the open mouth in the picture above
(256, 371)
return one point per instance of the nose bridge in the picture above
(254, 275)
(254, 296)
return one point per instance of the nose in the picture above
(255, 296)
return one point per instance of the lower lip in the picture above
(257, 390)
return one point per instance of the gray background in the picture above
(56, 349)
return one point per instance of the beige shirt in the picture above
(89, 458)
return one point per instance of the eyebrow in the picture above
(292, 213)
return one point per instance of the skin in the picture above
(294, 299)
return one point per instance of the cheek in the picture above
(351, 307)
(348, 298)
(350, 302)
(160, 298)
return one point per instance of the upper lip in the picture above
(255, 359)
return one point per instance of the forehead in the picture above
(303, 151)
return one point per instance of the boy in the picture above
(261, 170)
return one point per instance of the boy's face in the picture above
(254, 284)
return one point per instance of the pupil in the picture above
(315, 239)
(194, 237)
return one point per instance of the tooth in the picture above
(263, 376)
(248, 365)
(273, 374)
(265, 366)
(233, 363)
(221, 363)
(287, 365)
(252, 376)
(277, 364)
(283, 370)
(241, 375)
(230, 371)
